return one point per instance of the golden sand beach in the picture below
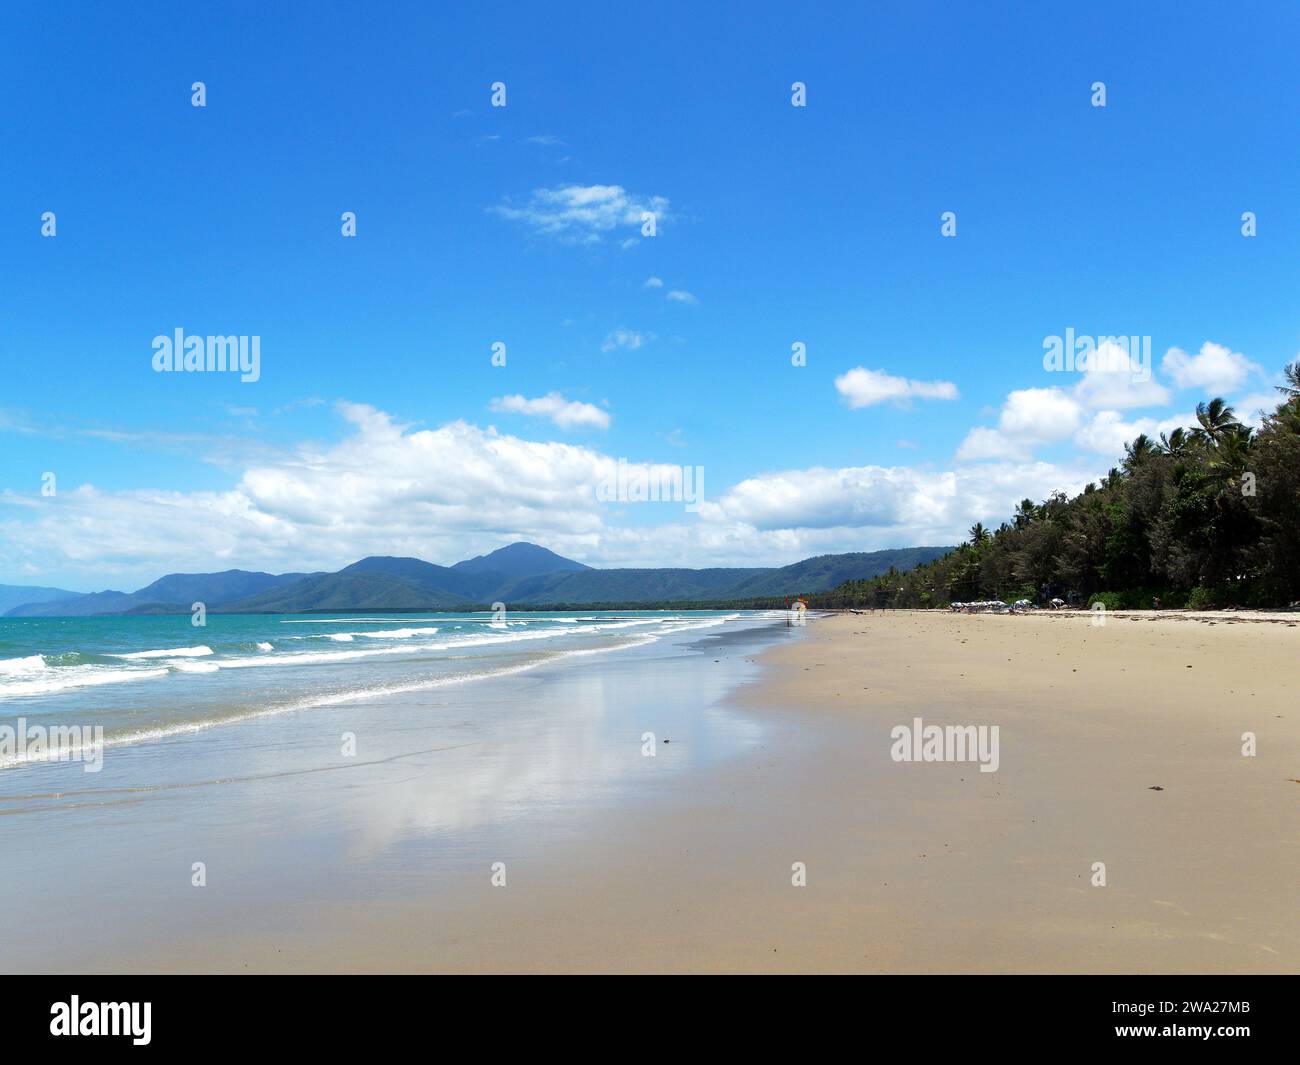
(1120, 745)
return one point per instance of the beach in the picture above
(1118, 744)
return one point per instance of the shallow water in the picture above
(144, 678)
(378, 793)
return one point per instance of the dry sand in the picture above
(914, 867)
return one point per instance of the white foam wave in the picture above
(454, 643)
(201, 651)
(183, 666)
(54, 681)
(22, 667)
(163, 732)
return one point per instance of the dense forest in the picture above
(1202, 518)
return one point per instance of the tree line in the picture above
(1203, 517)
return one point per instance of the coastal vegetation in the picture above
(1201, 518)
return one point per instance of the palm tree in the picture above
(1175, 443)
(1288, 416)
(1026, 512)
(1231, 456)
(1216, 420)
(978, 534)
(1291, 373)
(1136, 453)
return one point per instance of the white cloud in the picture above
(584, 214)
(545, 140)
(1214, 369)
(864, 388)
(654, 282)
(982, 443)
(383, 488)
(680, 296)
(1252, 408)
(1108, 432)
(629, 339)
(567, 414)
(1030, 417)
(1039, 415)
(1116, 379)
(927, 503)
(442, 494)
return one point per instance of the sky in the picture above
(942, 197)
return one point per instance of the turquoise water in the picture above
(475, 757)
(147, 678)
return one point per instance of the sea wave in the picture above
(448, 644)
(23, 667)
(167, 731)
(35, 675)
(53, 681)
(181, 665)
(201, 651)
(379, 634)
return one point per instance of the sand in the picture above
(917, 867)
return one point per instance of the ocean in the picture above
(142, 679)
(264, 766)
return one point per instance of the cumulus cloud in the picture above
(1114, 379)
(864, 388)
(567, 414)
(1039, 414)
(1117, 379)
(1214, 369)
(1030, 417)
(928, 503)
(1107, 433)
(446, 493)
(654, 282)
(583, 214)
(983, 443)
(678, 295)
(384, 488)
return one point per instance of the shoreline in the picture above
(910, 867)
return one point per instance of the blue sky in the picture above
(379, 424)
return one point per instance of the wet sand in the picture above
(910, 867)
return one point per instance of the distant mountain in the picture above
(519, 575)
(347, 591)
(626, 586)
(174, 593)
(381, 582)
(520, 560)
(79, 606)
(223, 587)
(828, 571)
(15, 595)
(413, 584)
(426, 576)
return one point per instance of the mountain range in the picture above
(519, 575)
